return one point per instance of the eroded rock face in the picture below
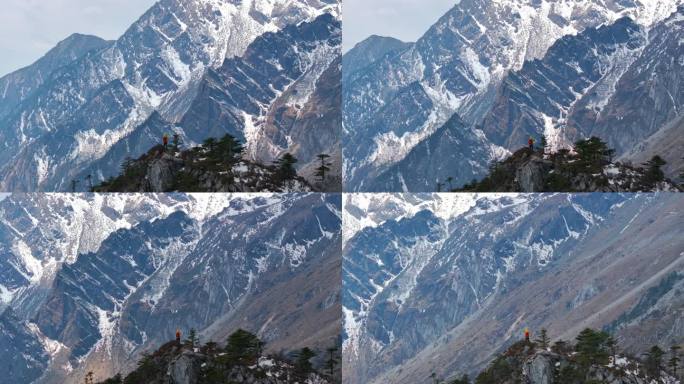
(186, 369)
(530, 176)
(161, 173)
(539, 369)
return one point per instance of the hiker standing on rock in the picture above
(178, 336)
(530, 143)
(165, 141)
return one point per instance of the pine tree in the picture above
(331, 362)
(324, 168)
(654, 174)
(654, 361)
(612, 344)
(544, 144)
(229, 150)
(674, 359)
(193, 339)
(303, 363)
(591, 348)
(210, 144)
(285, 169)
(126, 165)
(592, 155)
(243, 346)
(543, 339)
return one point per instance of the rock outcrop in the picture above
(535, 171)
(539, 369)
(169, 170)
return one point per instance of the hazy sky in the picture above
(406, 20)
(29, 28)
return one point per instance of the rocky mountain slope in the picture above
(18, 85)
(431, 292)
(91, 113)
(505, 68)
(92, 281)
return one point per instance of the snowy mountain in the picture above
(426, 291)
(88, 112)
(91, 281)
(466, 65)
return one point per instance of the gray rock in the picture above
(539, 369)
(530, 176)
(185, 369)
(161, 173)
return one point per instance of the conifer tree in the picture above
(193, 339)
(611, 344)
(592, 154)
(331, 362)
(674, 359)
(303, 363)
(543, 339)
(243, 345)
(654, 361)
(653, 173)
(285, 167)
(544, 144)
(230, 150)
(591, 348)
(324, 166)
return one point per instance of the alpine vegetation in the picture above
(91, 285)
(438, 286)
(490, 75)
(268, 73)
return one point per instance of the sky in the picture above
(30, 28)
(405, 20)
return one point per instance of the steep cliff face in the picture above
(116, 275)
(90, 114)
(428, 292)
(509, 69)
